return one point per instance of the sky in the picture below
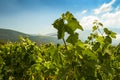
(37, 16)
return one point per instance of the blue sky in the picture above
(37, 16)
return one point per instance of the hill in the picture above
(11, 35)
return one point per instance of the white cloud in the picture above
(112, 19)
(84, 11)
(118, 37)
(109, 20)
(87, 22)
(80, 14)
(106, 7)
(117, 40)
(117, 8)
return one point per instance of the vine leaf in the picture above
(108, 40)
(110, 33)
(72, 38)
(96, 46)
(66, 23)
(59, 25)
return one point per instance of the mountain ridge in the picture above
(12, 35)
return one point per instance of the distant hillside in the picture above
(11, 35)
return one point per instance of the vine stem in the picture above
(65, 44)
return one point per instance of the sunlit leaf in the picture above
(108, 40)
(94, 28)
(73, 38)
(100, 24)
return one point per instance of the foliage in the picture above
(94, 59)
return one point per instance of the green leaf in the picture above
(113, 34)
(100, 24)
(108, 40)
(61, 34)
(73, 38)
(68, 16)
(108, 32)
(80, 27)
(74, 24)
(68, 29)
(100, 39)
(59, 25)
(94, 28)
(67, 23)
(96, 46)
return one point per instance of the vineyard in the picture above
(94, 59)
